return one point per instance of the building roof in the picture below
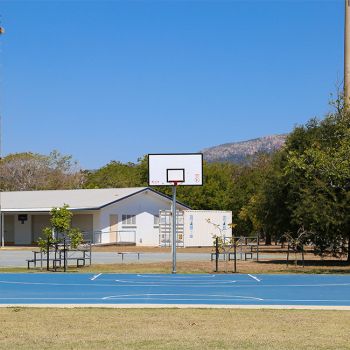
(76, 199)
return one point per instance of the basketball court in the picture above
(175, 290)
(182, 290)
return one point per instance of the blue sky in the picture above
(114, 80)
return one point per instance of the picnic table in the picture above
(81, 256)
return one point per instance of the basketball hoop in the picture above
(185, 169)
(174, 170)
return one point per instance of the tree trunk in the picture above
(348, 260)
(267, 238)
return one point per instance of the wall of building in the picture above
(23, 230)
(9, 229)
(197, 230)
(145, 206)
(83, 221)
(29, 231)
(39, 222)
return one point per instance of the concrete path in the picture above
(17, 258)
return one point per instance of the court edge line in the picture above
(254, 277)
(179, 306)
(96, 276)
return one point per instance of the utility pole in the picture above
(2, 234)
(347, 55)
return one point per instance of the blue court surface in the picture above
(228, 290)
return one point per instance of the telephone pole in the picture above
(347, 55)
(2, 236)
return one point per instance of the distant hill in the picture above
(240, 152)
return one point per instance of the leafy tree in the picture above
(33, 171)
(306, 184)
(116, 174)
(318, 172)
(216, 190)
(248, 198)
(60, 226)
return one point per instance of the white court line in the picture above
(174, 277)
(156, 296)
(179, 306)
(52, 298)
(223, 284)
(177, 299)
(310, 300)
(96, 276)
(207, 297)
(184, 283)
(76, 284)
(254, 277)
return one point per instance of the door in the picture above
(39, 222)
(113, 228)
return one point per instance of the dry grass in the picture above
(172, 329)
(118, 248)
(275, 264)
(261, 267)
(209, 267)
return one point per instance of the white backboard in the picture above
(186, 169)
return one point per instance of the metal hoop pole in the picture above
(347, 55)
(173, 247)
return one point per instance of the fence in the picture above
(113, 237)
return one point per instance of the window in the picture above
(129, 219)
(156, 220)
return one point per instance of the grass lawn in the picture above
(26, 328)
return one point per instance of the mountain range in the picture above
(241, 152)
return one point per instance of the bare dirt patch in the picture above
(275, 266)
(118, 248)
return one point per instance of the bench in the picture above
(225, 255)
(231, 256)
(31, 261)
(129, 253)
(35, 261)
(58, 262)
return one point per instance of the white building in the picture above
(104, 215)
(195, 228)
(201, 226)
(114, 215)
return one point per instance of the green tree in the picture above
(60, 226)
(248, 199)
(318, 172)
(116, 175)
(216, 190)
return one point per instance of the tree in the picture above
(33, 171)
(116, 174)
(248, 199)
(60, 226)
(318, 171)
(216, 192)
